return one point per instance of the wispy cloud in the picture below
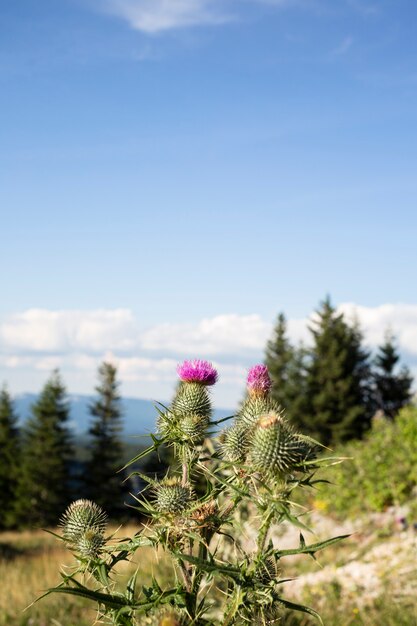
(154, 16)
(158, 16)
(343, 47)
(364, 7)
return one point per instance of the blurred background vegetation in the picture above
(358, 404)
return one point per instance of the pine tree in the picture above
(9, 459)
(296, 387)
(287, 369)
(392, 390)
(278, 357)
(44, 486)
(104, 483)
(337, 380)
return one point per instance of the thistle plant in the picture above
(253, 465)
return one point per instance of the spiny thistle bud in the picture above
(89, 544)
(266, 571)
(197, 371)
(164, 423)
(270, 615)
(192, 399)
(84, 525)
(194, 427)
(207, 515)
(253, 407)
(171, 496)
(235, 443)
(275, 448)
(258, 381)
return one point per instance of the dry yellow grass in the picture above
(30, 563)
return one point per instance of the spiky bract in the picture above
(192, 399)
(193, 427)
(266, 571)
(172, 497)
(84, 524)
(235, 443)
(164, 423)
(268, 615)
(275, 448)
(188, 428)
(207, 515)
(255, 406)
(89, 544)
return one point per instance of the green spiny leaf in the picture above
(300, 607)
(312, 548)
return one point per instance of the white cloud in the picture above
(156, 16)
(401, 319)
(223, 334)
(153, 16)
(38, 340)
(42, 330)
(86, 334)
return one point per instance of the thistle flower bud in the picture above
(84, 524)
(172, 497)
(197, 371)
(89, 543)
(253, 407)
(192, 399)
(164, 423)
(235, 443)
(266, 571)
(194, 427)
(258, 381)
(275, 448)
(207, 515)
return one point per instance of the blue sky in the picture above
(173, 172)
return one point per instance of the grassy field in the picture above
(30, 563)
(340, 587)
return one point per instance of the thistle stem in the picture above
(185, 575)
(263, 530)
(184, 473)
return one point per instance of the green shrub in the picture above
(381, 469)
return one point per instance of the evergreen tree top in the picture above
(103, 482)
(387, 356)
(107, 407)
(8, 418)
(392, 389)
(52, 403)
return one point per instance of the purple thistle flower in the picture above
(197, 371)
(258, 381)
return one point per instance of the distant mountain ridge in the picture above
(139, 415)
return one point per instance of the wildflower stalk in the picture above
(252, 466)
(264, 529)
(185, 473)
